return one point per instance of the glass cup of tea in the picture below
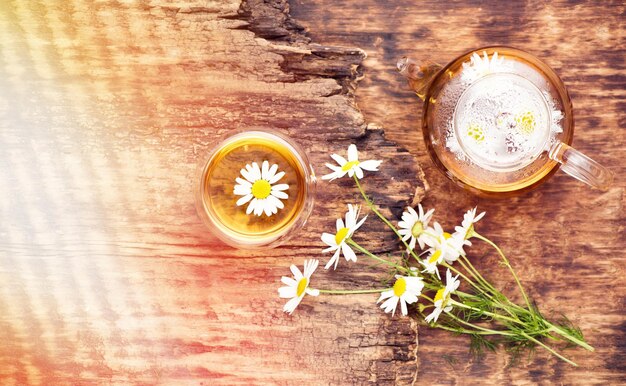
(498, 121)
(255, 189)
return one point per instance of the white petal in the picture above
(241, 190)
(252, 206)
(370, 165)
(275, 202)
(309, 267)
(339, 224)
(291, 305)
(358, 225)
(348, 253)
(276, 177)
(333, 259)
(268, 208)
(280, 187)
(271, 173)
(390, 305)
(358, 171)
(243, 182)
(287, 292)
(409, 298)
(331, 248)
(289, 281)
(259, 208)
(256, 171)
(297, 275)
(333, 176)
(265, 167)
(247, 175)
(312, 292)
(339, 159)
(403, 307)
(329, 239)
(280, 195)
(385, 295)
(412, 243)
(353, 154)
(244, 199)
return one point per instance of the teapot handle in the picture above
(581, 167)
(419, 75)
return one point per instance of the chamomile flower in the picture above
(466, 230)
(477, 67)
(351, 166)
(413, 226)
(338, 242)
(405, 290)
(450, 246)
(298, 286)
(433, 260)
(442, 297)
(258, 188)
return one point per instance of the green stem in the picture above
(495, 316)
(462, 330)
(373, 256)
(352, 292)
(506, 262)
(490, 331)
(372, 206)
(464, 277)
(464, 261)
(547, 348)
(571, 338)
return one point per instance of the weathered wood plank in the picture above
(107, 274)
(566, 240)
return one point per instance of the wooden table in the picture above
(108, 277)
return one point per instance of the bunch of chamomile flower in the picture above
(430, 279)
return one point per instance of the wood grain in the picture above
(107, 275)
(566, 240)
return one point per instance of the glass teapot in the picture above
(498, 121)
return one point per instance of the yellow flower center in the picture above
(435, 256)
(418, 229)
(261, 189)
(399, 287)
(301, 286)
(349, 165)
(341, 235)
(446, 235)
(476, 132)
(526, 122)
(439, 296)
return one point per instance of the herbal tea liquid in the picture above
(223, 171)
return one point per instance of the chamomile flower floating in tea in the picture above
(255, 189)
(298, 286)
(258, 188)
(405, 290)
(351, 167)
(442, 297)
(339, 241)
(479, 66)
(413, 226)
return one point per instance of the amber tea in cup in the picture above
(256, 189)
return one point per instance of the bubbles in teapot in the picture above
(497, 116)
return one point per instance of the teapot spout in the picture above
(419, 75)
